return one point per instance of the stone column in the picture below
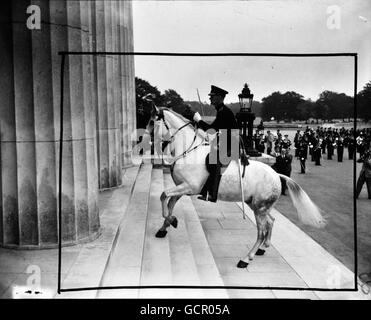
(126, 122)
(123, 125)
(101, 89)
(9, 222)
(90, 106)
(133, 112)
(114, 127)
(108, 107)
(29, 129)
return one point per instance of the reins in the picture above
(170, 140)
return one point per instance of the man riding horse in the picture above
(259, 187)
(224, 120)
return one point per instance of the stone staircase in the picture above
(138, 258)
(127, 254)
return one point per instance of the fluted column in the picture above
(101, 89)
(118, 100)
(110, 165)
(29, 128)
(133, 112)
(123, 123)
(9, 221)
(90, 106)
(127, 76)
(116, 162)
(99, 100)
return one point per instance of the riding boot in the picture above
(214, 187)
(203, 193)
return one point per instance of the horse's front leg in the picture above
(174, 194)
(170, 207)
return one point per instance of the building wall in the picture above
(98, 117)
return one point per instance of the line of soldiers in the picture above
(316, 142)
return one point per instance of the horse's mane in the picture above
(175, 113)
(200, 132)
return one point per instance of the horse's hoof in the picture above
(174, 223)
(161, 234)
(242, 264)
(260, 252)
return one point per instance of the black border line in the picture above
(211, 54)
(355, 172)
(206, 287)
(192, 54)
(60, 174)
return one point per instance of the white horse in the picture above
(261, 184)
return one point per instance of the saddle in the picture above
(216, 171)
(244, 162)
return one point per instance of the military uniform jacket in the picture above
(224, 120)
(366, 167)
(283, 164)
(303, 150)
(339, 143)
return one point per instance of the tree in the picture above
(335, 105)
(305, 110)
(290, 101)
(281, 106)
(364, 102)
(318, 111)
(142, 88)
(271, 105)
(173, 100)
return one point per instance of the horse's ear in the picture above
(155, 111)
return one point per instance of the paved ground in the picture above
(330, 186)
(26, 268)
(293, 260)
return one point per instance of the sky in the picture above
(295, 26)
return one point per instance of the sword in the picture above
(201, 105)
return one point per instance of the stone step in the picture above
(124, 265)
(206, 268)
(311, 262)
(91, 262)
(156, 263)
(182, 258)
(184, 269)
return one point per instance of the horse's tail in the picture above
(308, 212)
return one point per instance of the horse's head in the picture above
(160, 126)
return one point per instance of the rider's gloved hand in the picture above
(196, 117)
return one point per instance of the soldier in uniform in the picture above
(340, 148)
(296, 143)
(278, 142)
(286, 142)
(365, 174)
(260, 143)
(283, 166)
(317, 153)
(224, 120)
(351, 146)
(312, 144)
(323, 142)
(270, 140)
(302, 153)
(330, 147)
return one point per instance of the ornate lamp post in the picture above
(245, 119)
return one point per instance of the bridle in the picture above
(165, 143)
